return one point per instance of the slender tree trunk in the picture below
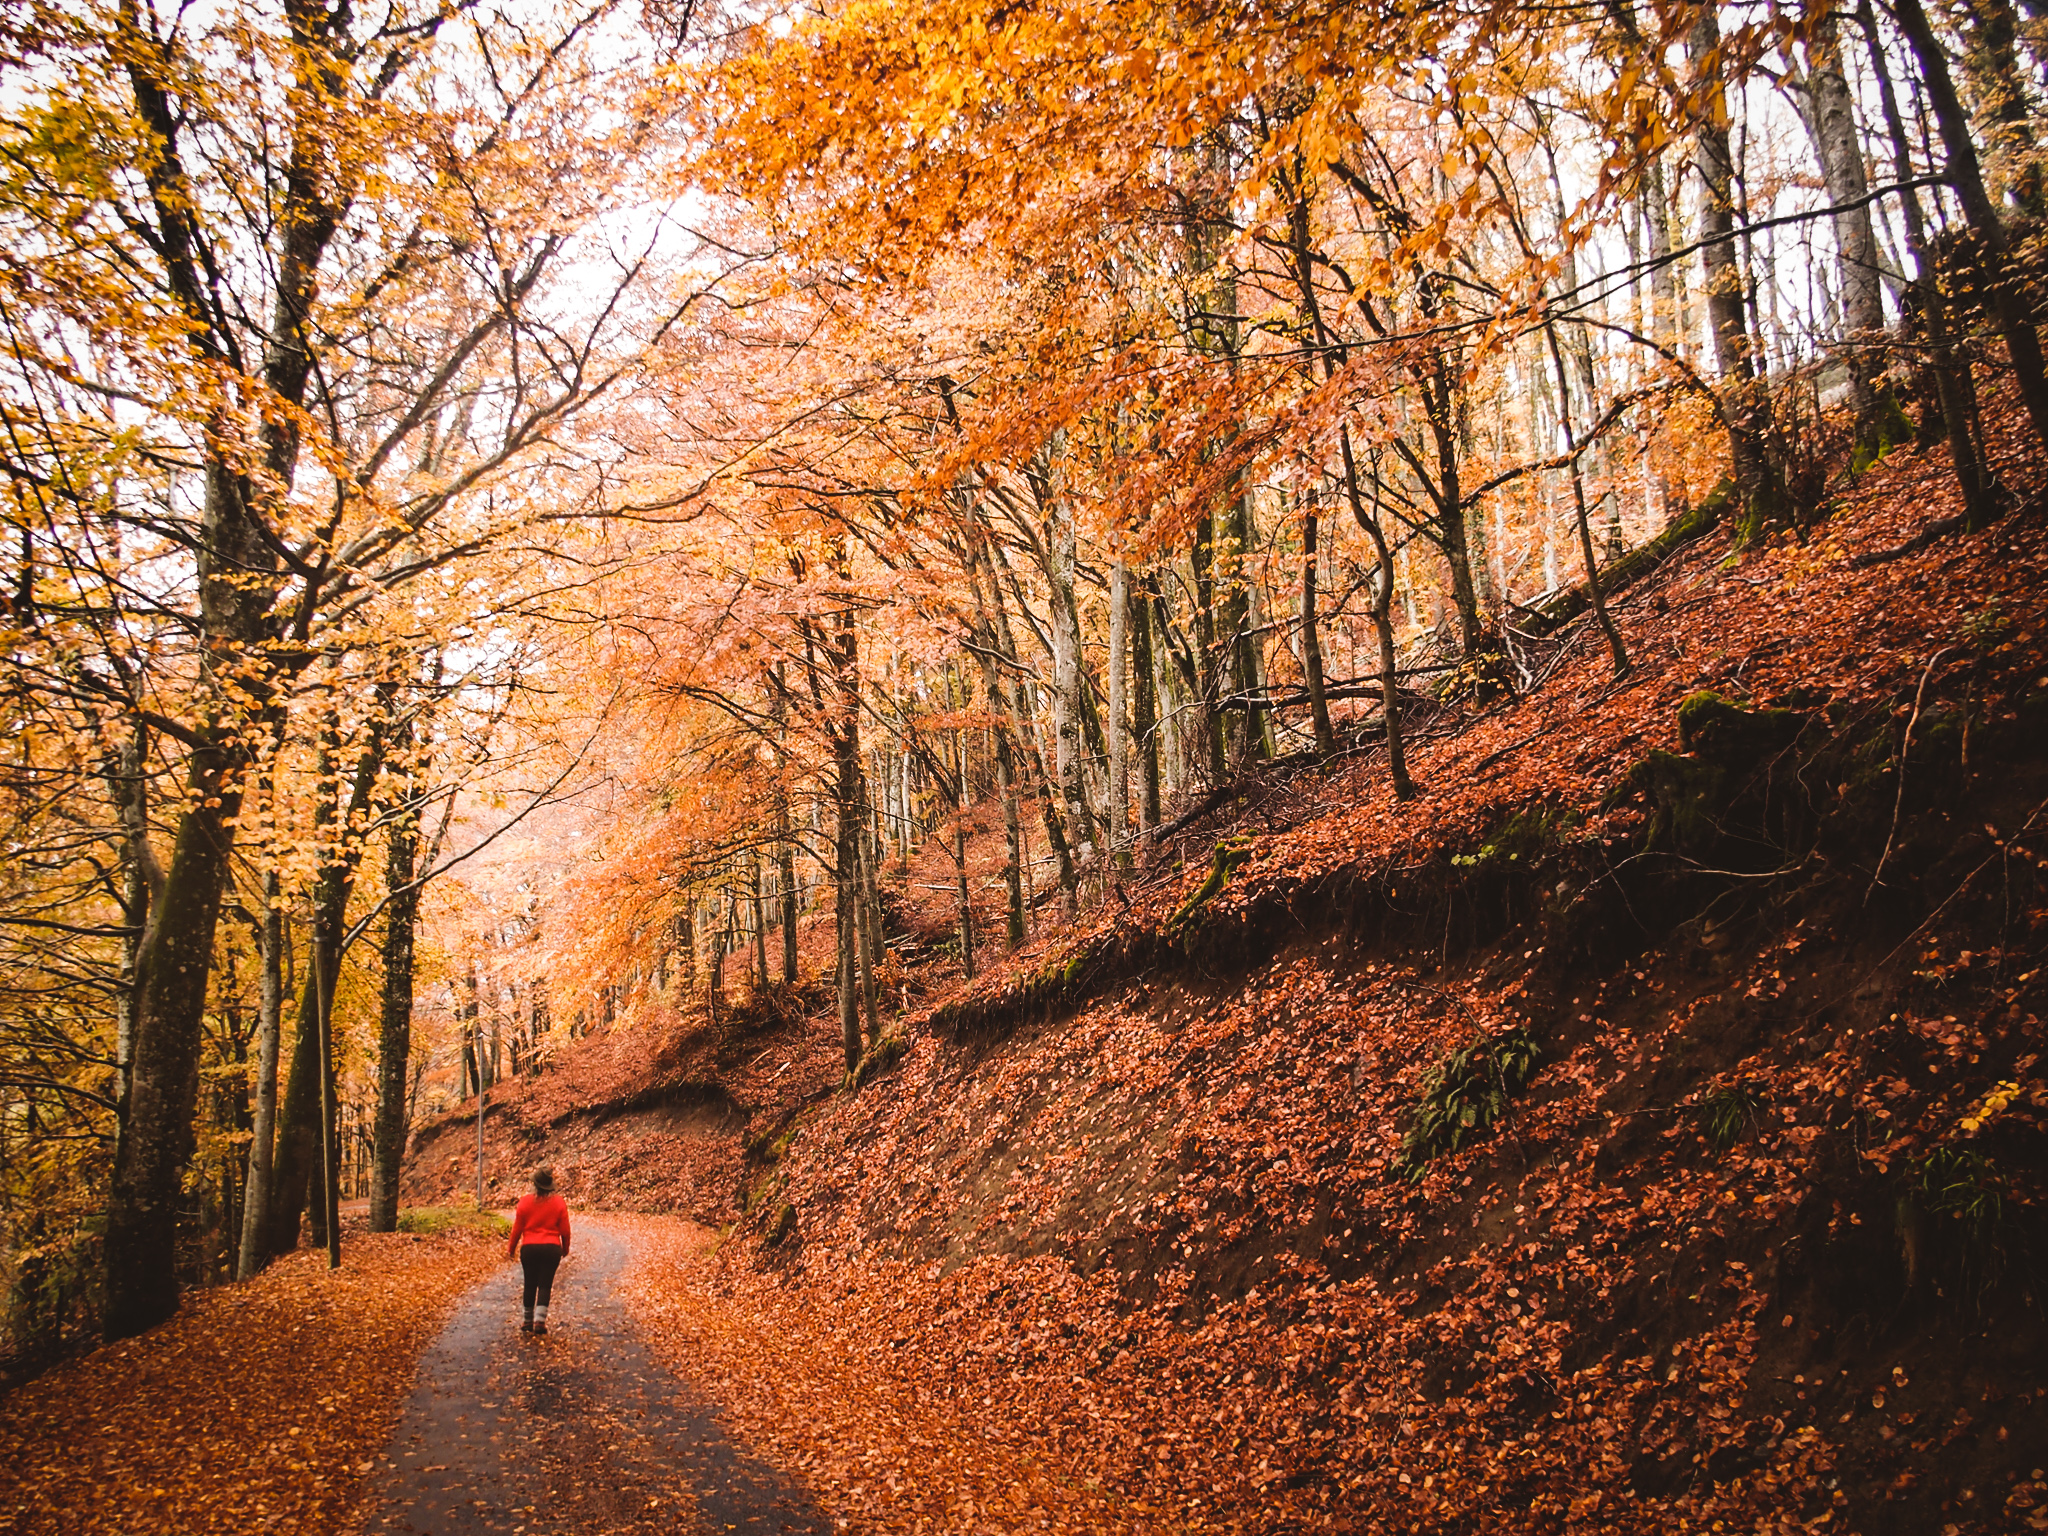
(1965, 175)
(1663, 275)
(997, 626)
(330, 1148)
(870, 909)
(256, 1189)
(1013, 840)
(1311, 624)
(847, 797)
(1955, 390)
(1119, 666)
(1614, 644)
(1382, 623)
(142, 894)
(1067, 682)
(1209, 644)
(760, 922)
(1239, 617)
(1444, 406)
(1006, 781)
(785, 842)
(1996, 82)
(298, 1157)
(394, 1044)
(1744, 400)
(1145, 712)
(1838, 147)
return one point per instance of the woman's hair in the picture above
(544, 1180)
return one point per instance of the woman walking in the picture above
(540, 1236)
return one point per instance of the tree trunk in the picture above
(142, 894)
(870, 909)
(1013, 838)
(1145, 711)
(785, 842)
(1955, 390)
(330, 1119)
(1211, 662)
(237, 577)
(1382, 623)
(1830, 118)
(1599, 601)
(299, 1156)
(1239, 619)
(1663, 275)
(1067, 683)
(394, 1044)
(1444, 404)
(1119, 741)
(848, 802)
(256, 1190)
(1965, 176)
(996, 626)
(1743, 399)
(1311, 622)
(1991, 65)
(760, 914)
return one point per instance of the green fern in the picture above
(1726, 1109)
(1464, 1094)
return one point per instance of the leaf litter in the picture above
(259, 1407)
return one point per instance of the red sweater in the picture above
(540, 1219)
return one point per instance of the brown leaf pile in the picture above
(258, 1408)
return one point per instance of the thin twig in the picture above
(1906, 746)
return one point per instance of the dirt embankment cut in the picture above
(1641, 1131)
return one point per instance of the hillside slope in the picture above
(1748, 953)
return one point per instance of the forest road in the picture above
(581, 1431)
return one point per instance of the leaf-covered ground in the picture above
(832, 1395)
(258, 1408)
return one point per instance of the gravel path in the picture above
(577, 1432)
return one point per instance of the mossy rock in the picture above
(1891, 428)
(770, 1145)
(1686, 795)
(1724, 743)
(781, 1227)
(1718, 728)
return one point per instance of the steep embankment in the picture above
(1719, 993)
(1758, 1239)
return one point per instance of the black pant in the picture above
(539, 1261)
